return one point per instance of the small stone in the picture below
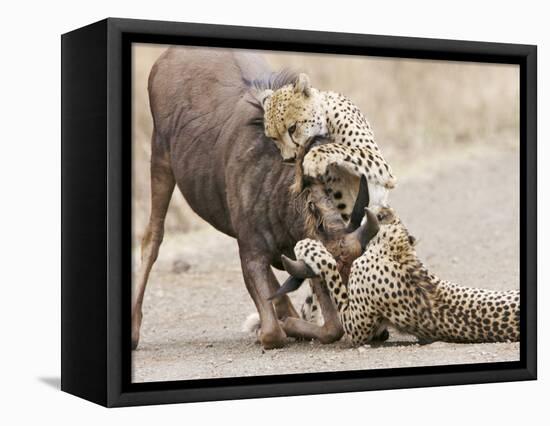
(179, 266)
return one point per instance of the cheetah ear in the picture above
(302, 85)
(386, 215)
(263, 97)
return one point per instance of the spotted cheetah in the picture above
(297, 115)
(389, 285)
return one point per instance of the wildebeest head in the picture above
(288, 113)
(386, 234)
(345, 243)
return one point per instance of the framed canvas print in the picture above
(253, 212)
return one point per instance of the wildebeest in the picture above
(209, 141)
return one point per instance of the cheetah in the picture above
(389, 285)
(298, 115)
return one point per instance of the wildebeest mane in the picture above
(273, 80)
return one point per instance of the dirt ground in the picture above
(463, 210)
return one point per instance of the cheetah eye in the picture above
(292, 129)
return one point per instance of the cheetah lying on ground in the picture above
(388, 285)
(297, 114)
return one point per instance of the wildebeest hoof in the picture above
(136, 326)
(331, 335)
(135, 342)
(273, 340)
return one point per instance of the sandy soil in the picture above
(463, 210)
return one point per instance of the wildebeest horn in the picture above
(368, 230)
(361, 203)
(298, 271)
(297, 268)
(291, 284)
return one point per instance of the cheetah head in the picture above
(293, 116)
(394, 238)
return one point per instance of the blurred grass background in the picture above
(420, 111)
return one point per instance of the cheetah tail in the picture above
(251, 324)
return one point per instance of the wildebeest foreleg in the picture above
(331, 330)
(261, 284)
(162, 187)
(283, 306)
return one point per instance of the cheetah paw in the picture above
(315, 165)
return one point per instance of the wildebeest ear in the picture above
(302, 84)
(264, 96)
(316, 214)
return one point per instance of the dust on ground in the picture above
(465, 214)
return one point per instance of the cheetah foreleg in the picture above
(358, 317)
(355, 160)
(352, 160)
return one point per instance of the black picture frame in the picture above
(96, 212)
